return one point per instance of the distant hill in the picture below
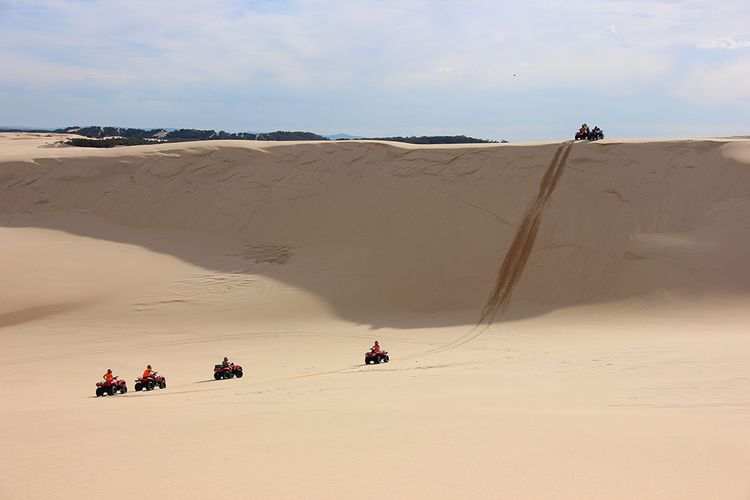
(343, 137)
(434, 139)
(35, 130)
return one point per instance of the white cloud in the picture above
(310, 44)
(725, 42)
(722, 84)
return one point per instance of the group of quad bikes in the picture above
(112, 387)
(153, 381)
(222, 371)
(586, 134)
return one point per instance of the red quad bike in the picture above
(376, 357)
(221, 371)
(150, 383)
(111, 388)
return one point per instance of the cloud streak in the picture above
(725, 42)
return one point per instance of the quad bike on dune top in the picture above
(595, 134)
(151, 382)
(227, 371)
(376, 357)
(111, 388)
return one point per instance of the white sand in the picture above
(618, 371)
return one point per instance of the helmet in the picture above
(226, 359)
(376, 341)
(149, 367)
(109, 370)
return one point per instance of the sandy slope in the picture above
(617, 371)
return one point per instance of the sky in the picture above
(520, 71)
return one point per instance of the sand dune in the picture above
(616, 273)
(424, 229)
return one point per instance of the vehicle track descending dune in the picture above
(518, 254)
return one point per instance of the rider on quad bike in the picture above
(227, 369)
(376, 355)
(111, 385)
(583, 132)
(596, 134)
(150, 380)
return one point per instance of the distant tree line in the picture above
(100, 132)
(133, 138)
(107, 142)
(188, 134)
(116, 136)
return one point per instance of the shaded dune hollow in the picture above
(379, 232)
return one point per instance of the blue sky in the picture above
(494, 69)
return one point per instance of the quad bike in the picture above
(111, 388)
(150, 383)
(376, 357)
(596, 134)
(232, 370)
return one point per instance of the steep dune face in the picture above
(371, 226)
(631, 219)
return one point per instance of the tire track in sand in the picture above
(517, 256)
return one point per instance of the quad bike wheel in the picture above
(376, 360)
(138, 387)
(217, 375)
(124, 389)
(238, 374)
(111, 390)
(99, 392)
(229, 375)
(386, 359)
(163, 384)
(150, 386)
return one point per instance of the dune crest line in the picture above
(523, 242)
